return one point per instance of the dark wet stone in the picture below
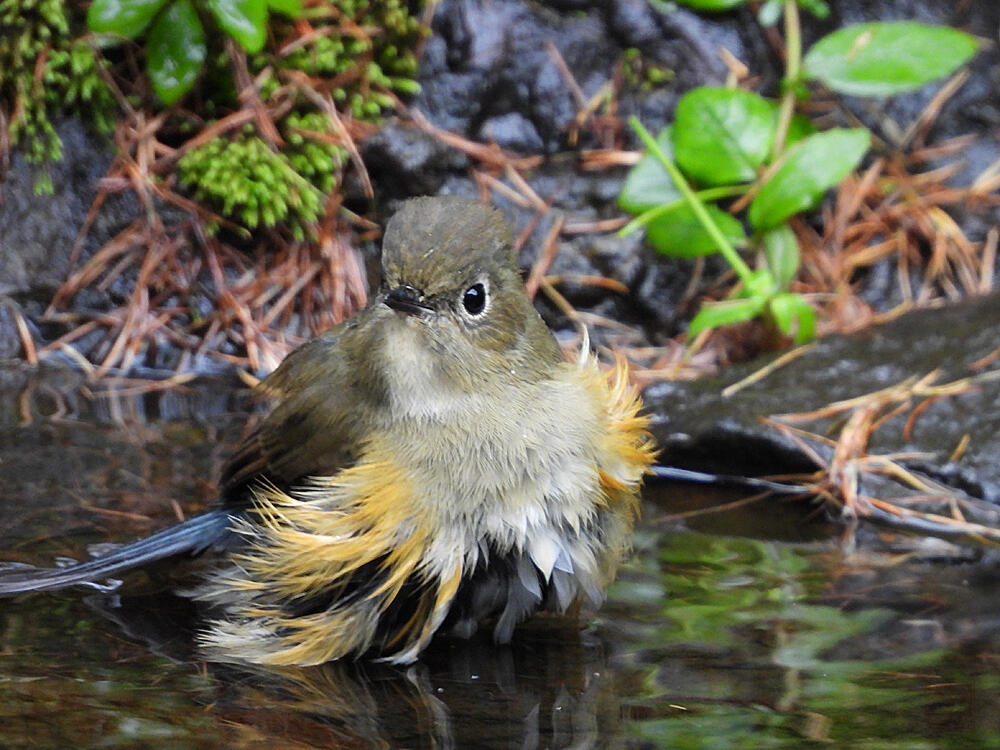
(10, 340)
(513, 131)
(473, 83)
(37, 232)
(699, 428)
(489, 70)
(405, 161)
(489, 61)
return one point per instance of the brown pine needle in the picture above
(550, 246)
(763, 372)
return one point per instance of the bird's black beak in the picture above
(406, 299)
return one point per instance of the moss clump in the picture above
(364, 66)
(245, 179)
(641, 73)
(358, 51)
(44, 71)
(73, 80)
(311, 156)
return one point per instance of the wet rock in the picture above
(488, 82)
(38, 232)
(405, 161)
(699, 428)
(490, 70)
(10, 340)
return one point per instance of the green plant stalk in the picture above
(793, 67)
(727, 250)
(708, 194)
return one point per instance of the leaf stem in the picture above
(793, 66)
(708, 194)
(727, 250)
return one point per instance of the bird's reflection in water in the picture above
(549, 688)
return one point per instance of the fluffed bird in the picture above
(431, 463)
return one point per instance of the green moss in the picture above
(364, 67)
(360, 51)
(641, 73)
(45, 71)
(247, 180)
(309, 154)
(73, 80)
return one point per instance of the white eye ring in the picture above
(475, 300)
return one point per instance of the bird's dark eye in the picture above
(474, 299)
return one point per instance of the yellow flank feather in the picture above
(627, 451)
(627, 441)
(318, 542)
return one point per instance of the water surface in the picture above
(760, 627)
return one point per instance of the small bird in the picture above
(431, 463)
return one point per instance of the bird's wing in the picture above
(315, 427)
(313, 431)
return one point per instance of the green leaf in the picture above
(782, 252)
(771, 11)
(679, 234)
(760, 283)
(791, 311)
(722, 135)
(127, 18)
(176, 51)
(726, 313)
(648, 184)
(713, 5)
(243, 20)
(799, 127)
(810, 168)
(881, 59)
(818, 8)
(291, 8)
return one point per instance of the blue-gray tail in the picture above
(192, 537)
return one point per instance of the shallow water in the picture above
(757, 627)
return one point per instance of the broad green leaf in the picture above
(782, 252)
(814, 165)
(243, 20)
(881, 59)
(127, 18)
(726, 313)
(291, 8)
(679, 234)
(722, 135)
(792, 312)
(175, 51)
(647, 184)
